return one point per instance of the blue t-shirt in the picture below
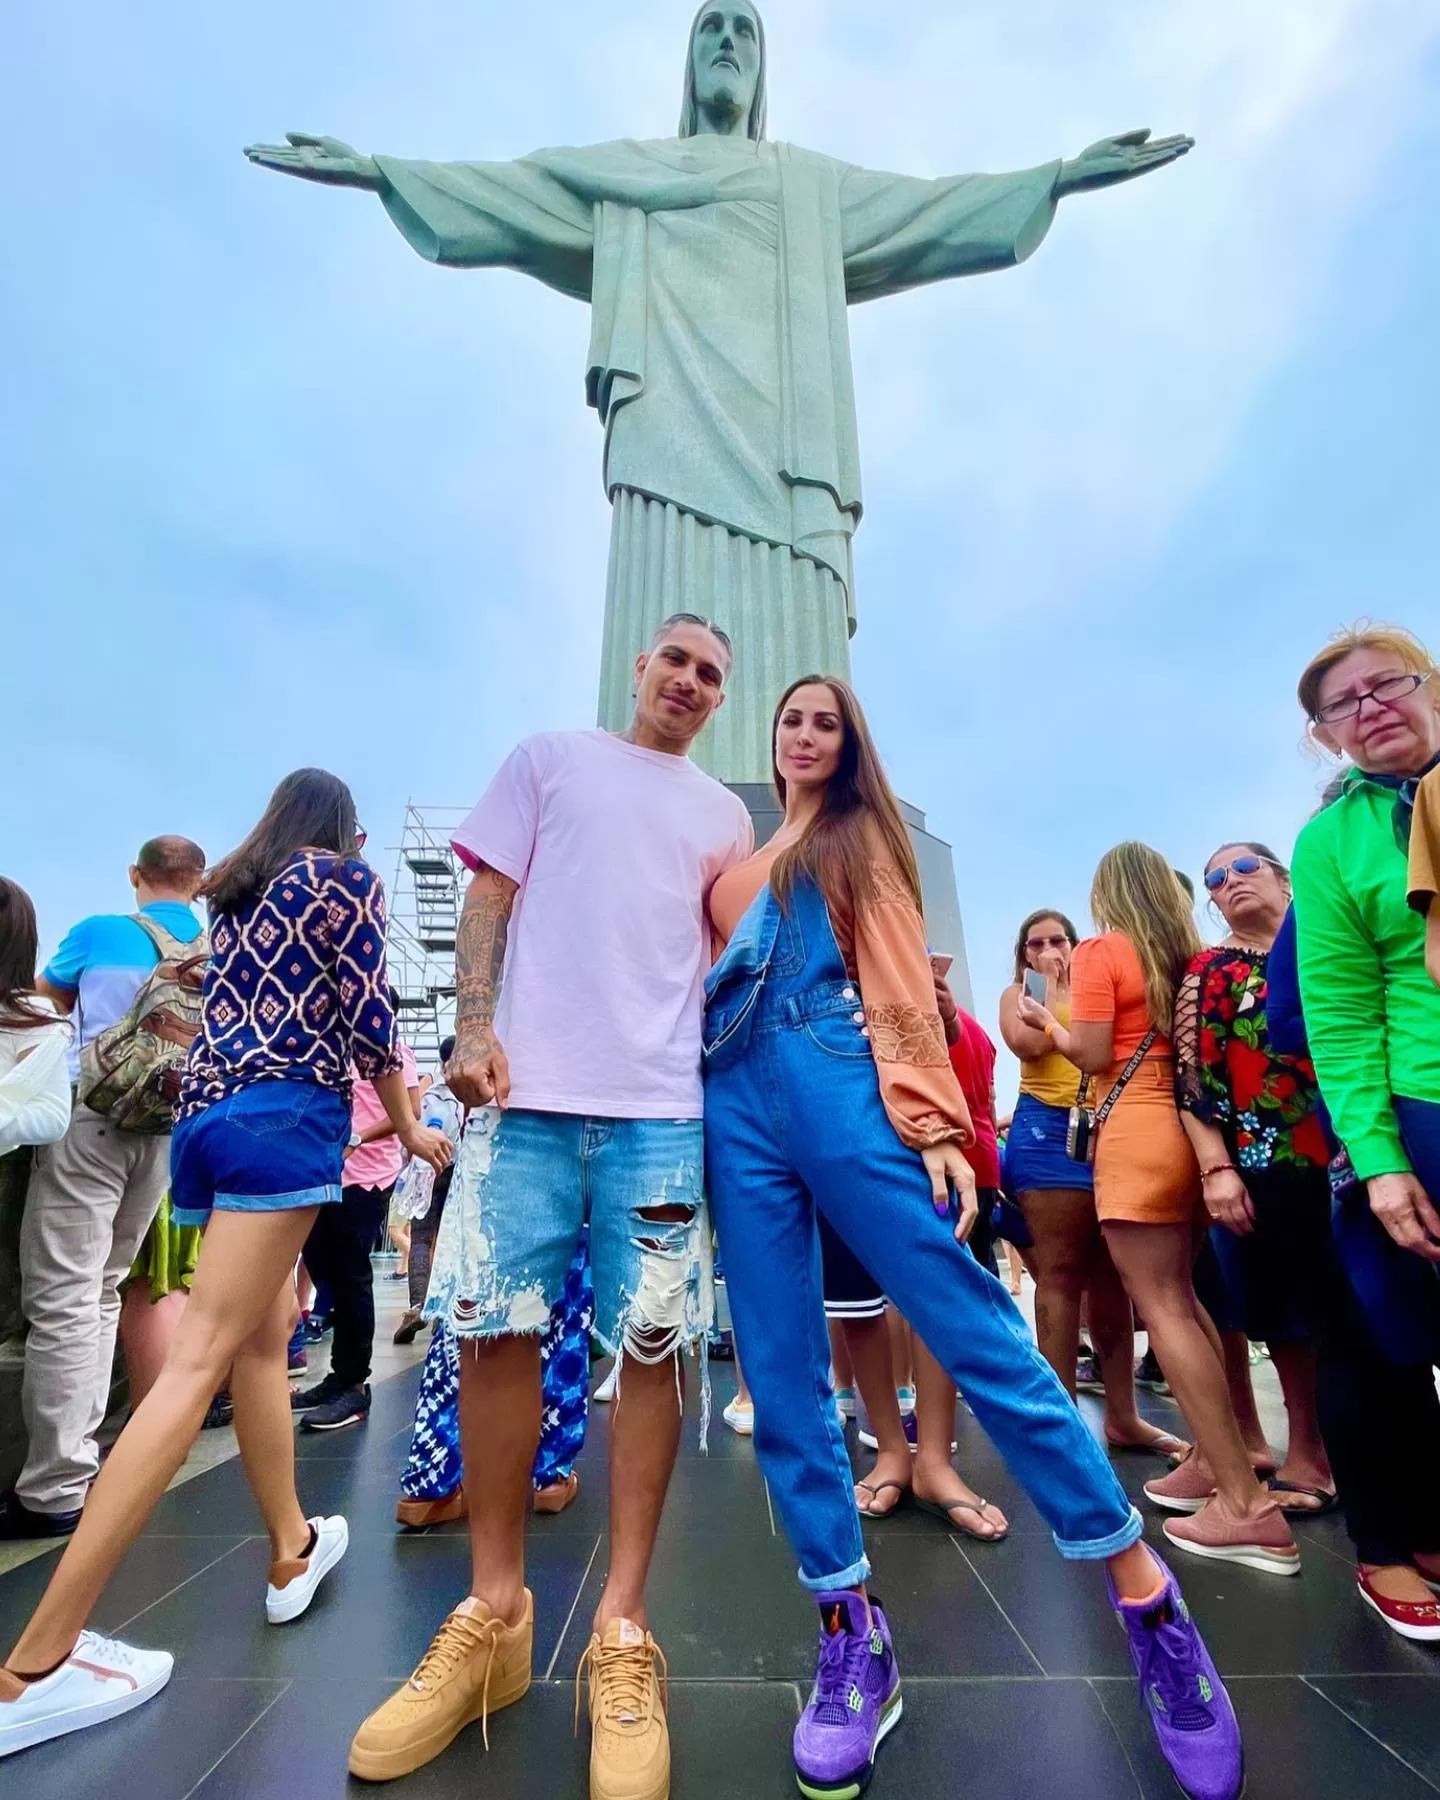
(104, 961)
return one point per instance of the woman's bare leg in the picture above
(1112, 1332)
(1154, 1262)
(265, 1426)
(1062, 1223)
(934, 1476)
(869, 1344)
(245, 1261)
(1235, 1351)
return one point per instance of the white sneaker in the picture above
(99, 1680)
(605, 1393)
(739, 1415)
(293, 1584)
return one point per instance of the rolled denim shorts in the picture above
(1035, 1158)
(525, 1185)
(272, 1147)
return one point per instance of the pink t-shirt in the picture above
(615, 849)
(376, 1165)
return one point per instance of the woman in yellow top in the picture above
(1056, 1195)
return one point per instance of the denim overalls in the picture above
(794, 1121)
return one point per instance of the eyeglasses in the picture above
(360, 837)
(1215, 879)
(1384, 693)
(1046, 943)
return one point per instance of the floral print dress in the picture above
(1228, 1075)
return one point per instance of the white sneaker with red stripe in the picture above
(100, 1679)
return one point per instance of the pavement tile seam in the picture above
(969, 1563)
(570, 1616)
(282, 1688)
(159, 1599)
(1350, 1718)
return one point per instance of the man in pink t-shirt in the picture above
(593, 856)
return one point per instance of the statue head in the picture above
(725, 66)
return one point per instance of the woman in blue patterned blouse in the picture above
(295, 998)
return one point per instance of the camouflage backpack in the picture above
(131, 1072)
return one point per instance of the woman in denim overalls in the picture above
(796, 1056)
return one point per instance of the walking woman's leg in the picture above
(244, 1263)
(265, 1428)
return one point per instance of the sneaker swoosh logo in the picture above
(77, 1662)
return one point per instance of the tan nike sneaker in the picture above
(476, 1665)
(630, 1741)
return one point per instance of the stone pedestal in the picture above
(937, 878)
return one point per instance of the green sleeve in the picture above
(1343, 992)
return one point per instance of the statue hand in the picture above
(1118, 159)
(318, 159)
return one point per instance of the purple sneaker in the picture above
(854, 1704)
(1194, 1722)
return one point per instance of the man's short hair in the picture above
(171, 862)
(688, 618)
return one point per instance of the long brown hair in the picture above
(1027, 925)
(19, 950)
(310, 810)
(836, 850)
(1136, 893)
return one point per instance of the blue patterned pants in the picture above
(434, 1468)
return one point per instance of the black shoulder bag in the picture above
(1085, 1121)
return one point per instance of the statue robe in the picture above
(718, 272)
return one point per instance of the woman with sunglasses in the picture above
(1250, 1114)
(1147, 1192)
(828, 1090)
(1056, 1195)
(294, 997)
(1372, 697)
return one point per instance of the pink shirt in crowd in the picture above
(376, 1165)
(615, 849)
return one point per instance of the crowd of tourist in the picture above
(671, 1048)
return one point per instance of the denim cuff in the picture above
(1098, 1549)
(857, 1573)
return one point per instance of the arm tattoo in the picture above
(480, 951)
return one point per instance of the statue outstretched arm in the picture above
(513, 215)
(900, 231)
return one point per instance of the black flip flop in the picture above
(876, 1492)
(939, 1510)
(1328, 1500)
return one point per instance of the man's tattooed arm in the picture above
(478, 1072)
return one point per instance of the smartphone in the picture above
(942, 965)
(1035, 986)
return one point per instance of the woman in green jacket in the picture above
(1372, 696)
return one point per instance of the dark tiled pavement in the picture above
(1017, 1682)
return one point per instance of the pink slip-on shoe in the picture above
(1186, 1488)
(1264, 1541)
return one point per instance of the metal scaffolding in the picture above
(425, 901)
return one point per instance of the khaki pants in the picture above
(91, 1200)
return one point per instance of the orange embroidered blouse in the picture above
(886, 958)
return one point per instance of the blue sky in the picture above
(274, 491)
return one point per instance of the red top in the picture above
(972, 1057)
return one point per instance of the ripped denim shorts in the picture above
(526, 1183)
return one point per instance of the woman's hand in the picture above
(1403, 1207)
(1054, 965)
(1036, 1016)
(430, 1146)
(946, 1166)
(1228, 1202)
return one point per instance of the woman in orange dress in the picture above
(1147, 1192)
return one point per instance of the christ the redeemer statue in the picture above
(718, 268)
